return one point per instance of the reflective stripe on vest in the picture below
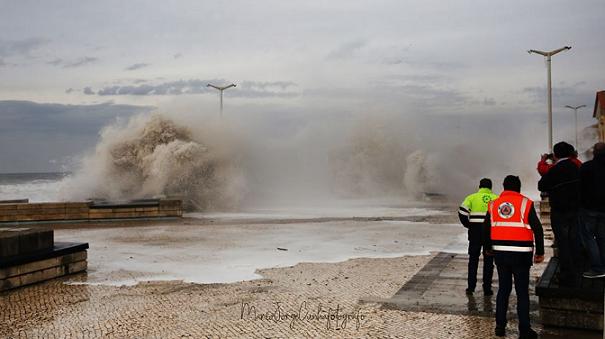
(512, 248)
(477, 217)
(509, 222)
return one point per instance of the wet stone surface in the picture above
(300, 301)
(440, 287)
(175, 309)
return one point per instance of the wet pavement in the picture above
(440, 287)
(328, 280)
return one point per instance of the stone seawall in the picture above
(86, 211)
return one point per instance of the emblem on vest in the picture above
(506, 210)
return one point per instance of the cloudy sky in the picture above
(412, 57)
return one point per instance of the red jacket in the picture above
(544, 166)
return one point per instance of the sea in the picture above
(37, 187)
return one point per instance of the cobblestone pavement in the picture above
(309, 291)
(308, 300)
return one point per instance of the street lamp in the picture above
(221, 89)
(548, 55)
(575, 110)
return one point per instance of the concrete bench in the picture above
(573, 307)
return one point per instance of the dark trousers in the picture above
(592, 231)
(475, 243)
(513, 265)
(565, 228)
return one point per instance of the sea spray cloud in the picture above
(252, 157)
(152, 156)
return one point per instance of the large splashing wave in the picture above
(152, 156)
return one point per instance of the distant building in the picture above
(599, 114)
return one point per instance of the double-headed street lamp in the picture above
(221, 89)
(548, 56)
(575, 110)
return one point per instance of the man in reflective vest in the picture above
(511, 229)
(472, 214)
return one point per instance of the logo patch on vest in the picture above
(506, 210)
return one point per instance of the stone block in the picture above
(572, 304)
(77, 205)
(78, 266)
(148, 214)
(571, 319)
(46, 274)
(35, 240)
(9, 244)
(71, 210)
(43, 211)
(124, 210)
(125, 214)
(30, 206)
(147, 209)
(8, 207)
(6, 218)
(100, 214)
(9, 283)
(11, 213)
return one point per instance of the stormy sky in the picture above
(70, 67)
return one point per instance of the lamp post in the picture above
(575, 111)
(548, 56)
(221, 89)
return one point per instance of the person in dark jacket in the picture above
(592, 210)
(511, 229)
(562, 183)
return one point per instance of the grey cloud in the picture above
(21, 48)
(88, 91)
(489, 101)
(435, 65)
(250, 89)
(35, 133)
(80, 62)
(72, 63)
(55, 62)
(69, 90)
(177, 55)
(136, 66)
(346, 50)
(576, 94)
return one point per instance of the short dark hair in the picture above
(599, 149)
(485, 183)
(512, 183)
(563, 150)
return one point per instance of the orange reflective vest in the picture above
(510, 229)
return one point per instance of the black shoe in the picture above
(529, 334)
(500, 331)
(469, 291)
(488, 293)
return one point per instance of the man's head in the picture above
(599, 149)
(563, 150)
(485, 183)
(512, 183)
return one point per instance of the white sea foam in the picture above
(34, 190)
